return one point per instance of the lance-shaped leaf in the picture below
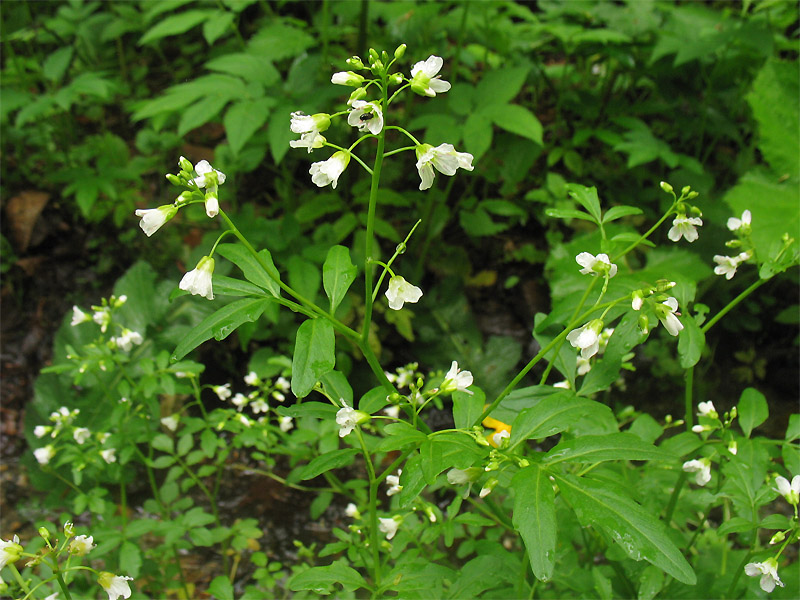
(222, 323)
(637, 531)
(549, 416)
(597, 448)
(330, 460)
(251, 267)
(338, 273)
(314, 355)
(535, 518)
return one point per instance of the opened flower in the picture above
(310, 128)
(154, 218)
(393, 481)
(81, 434)
(44, 455)
(128, 338)
(198, 281)
(328, 171)
(347, 418)
(366, 116)
(768, 571)
(706, 409)
(210, 179)
(444, 157)
(587, 338)
(456, 380)
(78, 316)
(425, 80)
(790, 491)
(285, 424)
(596, 265)
(10, 551)
(400, 291)
(171, 422)
(388, 526)
(684, 226)
(666, 312)
(703, 469)
(109, 455)
(81, 545)
(116, 586)
(735, 224)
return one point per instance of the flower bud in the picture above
(685, 190)
(523, 462)
(377, 67)
(44, 533)
(348, 78)
(777, 538)
(373, 55)
(69, 529)
(185, 165)
(174, 180)
(734, 413)
(691, 196)
(355, 62)
(400, 51)
(666, 187)
(663, 285)
(488, 487)
(395, 79)
(357, 94)
(644, 324)
(733, 243)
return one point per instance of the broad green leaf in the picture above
(535, 518)
(637, 531)
(338, 273)
(215, 26)
(175, 25)
(617, 212)
(551, 415)
(373, 400)
(519, 120)
(251, 267)
(304, 276)
(650, 583)
(445, 450)
(243, 119)
(691, 342)
(221, 588)
(201, 112)
(587, 198)
(735, 525)
(318, 410)
(314, 355)
(482, 573)
(596, 448)
(793, 429)
(130, 558)
(604, 372)
(568, 213)
(228, 286)
(499, 86)
(467, 408)
(336, 385)
(477, 134)
(328, 461)
(753, 410)
(323, 580)
(56, 64)
(400, 434)
(412, 480)
(164, 443)
(222, 323)
(249, 67)
(744, 474)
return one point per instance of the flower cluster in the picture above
(727, 265)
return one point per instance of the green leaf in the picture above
(596, 448)
(208, 443)
(243, 119)
(338, 273)
(221, 588)
(500, 86)
(318, 410)
(215, 26)
(322, 580)
(314, 355)
(175, 25)
(617, 212)
(753, 410)
(477, 134)
(304, 276)
(328, 461)
(185, 444)
(336, 385)
(249, 67)
(252, 268)
(793, 429)
(587, 198)
(445, 450)
(519, 120)
(636, 530)
(467, 408)
(650, 583)
(412, 480)
(551, 415)
(228, 286)
(691, 342)
(201, 112)
(222, 323)
(569, 213)
(163, 442)
(130, 559)
(535, 518)
(399, 435)
(320, 504)
(56, 64)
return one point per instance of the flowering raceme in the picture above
(210, 179)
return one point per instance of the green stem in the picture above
(373, 510)
(750, 289)
(62, 585)
(19, 579)
(283, 481)
(688, 400)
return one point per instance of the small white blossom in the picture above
(154, 218)
(790, 491)
(583, 365)
(596, 265)
(252, 379)
(458, 477)
(706, 409)
(768, 571)
(456, 380)
(283, 384)
(81, 545)
(400, 291)
(348, 78)
(259, 406)
(116, 586)
(444, 157)
(425, 80)
(198, 281)
(352, 511)
(328, 171)
(81, 434)
(109, 455)
(78, 316)
(393, 481)
(702, 467)
(392, 411)
(496, 439)
(102, 317)
(735, 224)
(45, 454)
(700, 428)
(637, 300)
(128, 338)
(564, 385)
(243, 420)
(347, 418)
(586, 338)
(41, 430)
(726, 265)
(171, 422)
(10, 551)
(666, 312)
(209, 178)
(388, 526)
(366, 116)
(733, 447)
(240, 400)
(223, 391)
(285, 423)
(310, 141)
(684, 226)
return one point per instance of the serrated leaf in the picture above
(252, 268)
(175, 25)
(551, 415)
(535, 518)
(338, 274)
(597, 448)
(328, 461)
(201, 112)
(637, 531)
(215, 26)
(221, 588)
(243, 119)
(587, 198)
(130, 559)
(56, 64)
(222, 323)
(314, 355)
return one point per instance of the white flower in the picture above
(128, 338)
(388, 526)
(587, 338)
(488, 487)
(401, 291)
(702, 467)
(564, 385)
(583, 365)
(81, 434)
(768, 571)
(726, 265)
(393, 481)
(207, 175)
(171, 422)
(81, 545)
(198, 281)
(456, 380)
(352, 511)
(366, 116)
(790, 491)
(283, 384)
(638, 300)
(735, 224)
(102, 317)
(666, 311)
(392, 411)
(259, 406)
(239, 400)
(223, 391)
(348, 78)
(328, 171)
(347, 418)
(733, 447)
(424, 79)
(596, 265)
(243, 420)
(252, 378)
(458, 477)
(684, 226)
(10, 551)
(285, 423)
(706, 409)
(700, 428)
(444, 157)
(116, 586)
(41, 430)
(154, 218)
(45, 454)
(103, 437)
(78, 316)
(302, 123)
(496, 439)
(310, 141)
(109, 455)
